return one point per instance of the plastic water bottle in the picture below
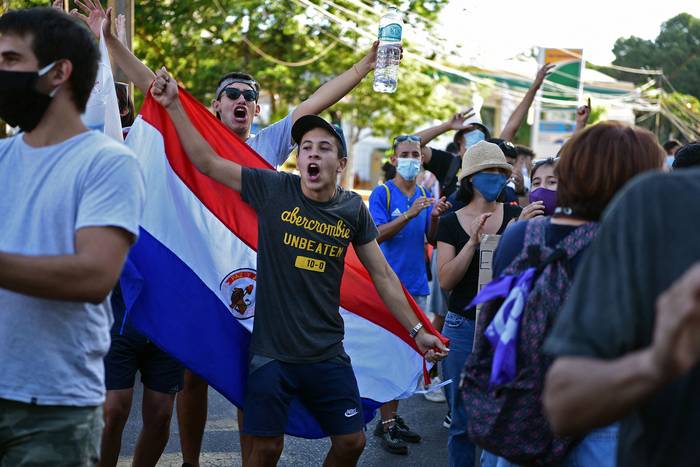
(386, 70)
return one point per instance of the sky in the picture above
(488, 32)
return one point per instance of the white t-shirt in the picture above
(51, 351)
(274, 143)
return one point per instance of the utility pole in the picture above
(126, 8)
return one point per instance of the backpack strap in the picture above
(535, 231)
(579, 239)
(388, 196)
(570, 245)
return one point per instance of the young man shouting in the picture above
(297, 348)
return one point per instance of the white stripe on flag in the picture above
(385, 366)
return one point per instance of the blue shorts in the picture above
(327, 389)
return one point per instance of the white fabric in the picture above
(102, 111)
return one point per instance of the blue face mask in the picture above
(473, 137)
(408, 168)
(490, 185)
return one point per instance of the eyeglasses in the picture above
(248, 94)
(402, 138)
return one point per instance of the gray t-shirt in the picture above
(647, 240)
(301, 258)
(274, 143)
(51, 351)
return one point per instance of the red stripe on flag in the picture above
(357, 293)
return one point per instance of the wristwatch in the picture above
(414, 332)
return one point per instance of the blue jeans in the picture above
(597, 449)
(460, 332)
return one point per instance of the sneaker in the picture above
(447, 422)
(435, 396)
(392, 442)
(405, 432)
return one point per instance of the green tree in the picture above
(269, 40)
(291, 47)
(676, 50)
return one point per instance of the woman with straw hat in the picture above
(483, 177)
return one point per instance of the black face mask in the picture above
(20, 103)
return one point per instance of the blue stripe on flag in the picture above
(168, 302)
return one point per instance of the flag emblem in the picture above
(238, 288)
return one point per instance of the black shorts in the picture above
(130, 352)
(327, 389)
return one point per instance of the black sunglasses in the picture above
(402, 138)
(248, 94)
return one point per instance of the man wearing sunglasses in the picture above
(399, 209)
(236, 105)
(297, 345)
(236, 94)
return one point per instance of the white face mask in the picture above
(408, 168)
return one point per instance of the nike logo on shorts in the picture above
(350, 413)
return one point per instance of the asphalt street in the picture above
(221, 446)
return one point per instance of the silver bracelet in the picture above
(414, 332)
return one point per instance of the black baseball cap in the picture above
(687, 156)
(506, 146)
(309, 122)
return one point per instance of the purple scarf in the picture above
(502, 333)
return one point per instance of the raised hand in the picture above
(441, 207)
(57, 4)
(583, 113)
(418, 205)
(370, 60)
(456, 122)
(164, 89)
(94, 16)
(542, 73)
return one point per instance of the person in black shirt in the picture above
(306, 224)
(627, 340)
(484, 174)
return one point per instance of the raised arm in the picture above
(86, 276)
(582, 393)
(456, 122)
(96, 18)
(201, 154)
(583, 113)
(337, 88)
(518, 116)
(389, 287)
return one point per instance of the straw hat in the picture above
(483, 155)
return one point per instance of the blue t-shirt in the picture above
(405, 250)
